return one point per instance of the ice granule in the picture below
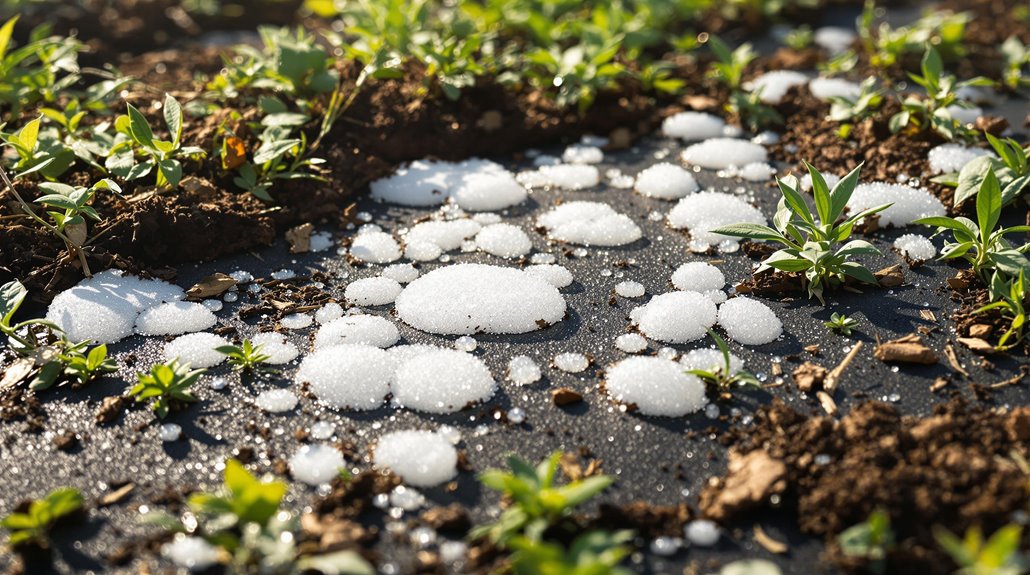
(589, 224)
(472, 298)
(702, 532)
(677, 317)
(665, 181)
(581, 154)
(571, 362)
(447, 235)
(175, 318)
(656, 386)
(909, 203)
(706, 211)
(503, 241)
(951, 157)
(558, 276)
(372, 291)
(915, 247)
(835, 39)
(296, 321)
(698, 276)
(401, 273)
(755, 172)
(564, 176)
(749, 321)
(631, 343)
(419, 458)
(375, 248)
(522, 370)
(190, 553)
(709, 360)
(275, 346)
(442, 381)
(348, 376)
(474, 184)
(276, 400)
(774, 85)
(826, 88)
(629, 289)
(693, 126)
(484, 192)
(196, 349)
(716, 153)
(422, 251)
(316, 464)
(357, 329)
(329, 312)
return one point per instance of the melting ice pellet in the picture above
(419, 458)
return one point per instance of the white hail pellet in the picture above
(580, 154)
(170, 432)
(348, 376)
(522, 370)
(442, 381)
(709, 360)
(464, 299)
(419, 458)
(570, 362)
(677, 317)
(276, 400)
(296, 321)
(665, 181)
(190, 553)
(951, 157)
(316, 464)
(558, 276)
(656, 386)
(631, 343)
(422, 251)
(915, 247)
(705, 211)
(773, 85)
(965, 115)
(474, 184)
(826, 88)
(835, 39)
(564, 176)
(372, 291)
(702, 532)
(749, 321)
(175, 318)
(401, 273)
(446, 234)
(196, 349)
(104, 308)
(328, 312)
(275, 346)
(589, 224)
(754, 172)
(357, 329)
(629, 289)
(503, 241)
(717, 153)
(375, 248)
(693, 126)
(486, 192)
(698, 276)
(909, 203)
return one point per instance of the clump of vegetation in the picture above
(850, 111)
(814, 244)
(840, 323)
(165, 384)
(245, 357)
(1011, 167)
(728, 69)
(724, 378)
(33, 526)
(1008, 297)
(998, 555)
(135, 137)
(870, 540)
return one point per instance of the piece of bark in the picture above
(977, 345)
(809, 376)
(750, 480)
(564, 396)
(213, 285)
(889, 277)
(906, 349)
(299, 238)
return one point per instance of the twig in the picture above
(832, 378)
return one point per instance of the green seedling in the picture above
(33, 525)
(135, 137)
(165, 383)
(724, 378)
(840, 323)
(245, 357)
(870, 540)
(998, 555)
(1009, 299)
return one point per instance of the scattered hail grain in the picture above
(589, 224)
(655, 386)
(749, 321)
(665, 181)
(419, 458)
(676, 317)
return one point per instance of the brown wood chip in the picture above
(833, 378)
(890, 277)
(809, 376)
(116, 496)
(949, 353)
(977, 345)
(213, 285)
(827, 403)
(299, 238)
(771, 545)
(928, 315)
(564, 396)
(905, 349)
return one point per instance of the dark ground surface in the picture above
(659, 460)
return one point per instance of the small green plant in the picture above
(1009, 299)
(70, 206)
(850, 111)
(165, 383)
(729, 65)
(723, 379)
(245, 357)
(243, 499)
(593, 553)
(289, 61)
(885, 46)
(799, 38)
(577, 73)
(998, 555)
(753, 114)
(1016, 56)
(163, 156)
(537, 501)
(870, 540)
(1011, 167)
(41, 70)
(982, 243)
(814, 243)
(38, 151)
(12, 296)
(840, 323)
(33, 525)
(84, 365)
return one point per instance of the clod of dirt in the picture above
(110, 409)
(299, 238)
(751, 479)
(906, 349)
(809, 376)
(889, 277)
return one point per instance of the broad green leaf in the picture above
(140, 129)
(988, 204)
(855, 247)
(172, 171)
(579, 492)
(971, 177)
(859, 272)
(173, 118)
(5, 35)
(12, 294)
(784, 261)
(28, 136)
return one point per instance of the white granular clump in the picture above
(328, 312)
(774, 85)
(564, 176)
(666, 181)
(631, 343)
(296, 321)
(375, 248)
(558, 276)
(698, 276)
(320, 241)
(276, 400)
(965, 115)
(103, 308)
(706, 211)
(580, 154)
(909, 203)
(196, 349)
(522, 370)
(466, 343)
(442, 381)
(676, 317)
(422, 251)
(372, 291)
(709, 360)
(830, 179)
(629, 289)
(403, 353)
(656, 386)
(717, 153)
(485, 219)
(275, 346)
(170, 432)
(348, 376)
(835, 39)
(447, 235)
(175, 318)
(316, 464)
(826, 88)
(464, 299)
(916, 247)
(749, 321)
(693, 126)
(322, 430)
(951, 157)
(484, 192)
(191, 553)
(702, 532)
(716, 295)
(401, 273)
(419, 458)
(570, 362)
(755, 172)
(357, 329)
(503, 241)
(474, 184)
(589, 224)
